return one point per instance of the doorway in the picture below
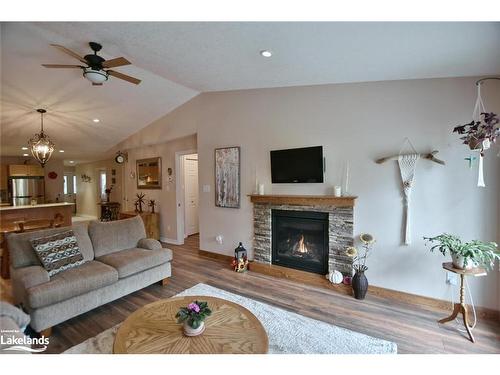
(191, 199)
(187, 193)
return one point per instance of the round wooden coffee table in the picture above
(153, 329)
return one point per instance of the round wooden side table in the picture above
(230, 328)
(460, 308)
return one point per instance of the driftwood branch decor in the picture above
(429, 156)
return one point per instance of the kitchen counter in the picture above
(6, 208)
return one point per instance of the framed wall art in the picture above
(149, 173)
(227, 177)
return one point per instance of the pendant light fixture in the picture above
(40, 145)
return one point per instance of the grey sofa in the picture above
(119, 260)
(12, 324)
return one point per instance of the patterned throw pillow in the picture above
(58, 252)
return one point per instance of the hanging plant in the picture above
(475, 132)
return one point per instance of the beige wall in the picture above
(355, 123)
(53, 187)
(87, 195)
(69, 168)
(165, 198)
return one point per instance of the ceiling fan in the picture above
(97, 69)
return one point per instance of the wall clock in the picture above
(120, 157)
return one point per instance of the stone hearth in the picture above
(340, 225)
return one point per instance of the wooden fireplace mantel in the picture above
(304, 200)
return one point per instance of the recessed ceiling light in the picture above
(266, 53)
(96, 120)
(26, 155)
(61, 150)
(24, 148)
(71, 161)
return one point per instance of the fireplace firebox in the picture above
(300, 240)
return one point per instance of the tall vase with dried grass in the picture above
(359, 280)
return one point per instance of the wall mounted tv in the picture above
(297, 165)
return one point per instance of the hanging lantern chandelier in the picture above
(40, 145)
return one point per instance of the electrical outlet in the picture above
(451, 278)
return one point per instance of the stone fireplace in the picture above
(309, 233)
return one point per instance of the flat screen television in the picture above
(297, 165)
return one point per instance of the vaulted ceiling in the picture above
(176, 61)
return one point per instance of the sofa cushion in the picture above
(131, 261)
(22, 254)
(58, 252)
(24, 278)
(109, 237)
(70, 283)
(149, 244)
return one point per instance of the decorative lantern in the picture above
(240, 262)
(40, 145)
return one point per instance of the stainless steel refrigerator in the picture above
(23, 189)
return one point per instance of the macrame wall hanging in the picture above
(407, 162)
(407, 166)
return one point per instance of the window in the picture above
(69, 183)
(102, 184)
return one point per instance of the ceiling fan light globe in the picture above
(95, 76)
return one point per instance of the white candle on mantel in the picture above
(346, 190)
(256, 188)
(261, 189)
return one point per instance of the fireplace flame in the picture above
(301, 247)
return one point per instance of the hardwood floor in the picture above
(413, 328)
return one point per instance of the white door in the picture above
(190, 194)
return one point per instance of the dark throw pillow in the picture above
(58, 252)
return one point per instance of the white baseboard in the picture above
(171, 241)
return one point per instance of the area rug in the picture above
(288, 333)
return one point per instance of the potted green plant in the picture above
(193, 316)
(475, 132)
(465, 255)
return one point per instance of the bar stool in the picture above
(20, 226)
(36, 224)
(4, 252)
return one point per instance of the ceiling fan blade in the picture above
(69, 52)
(124, 77)
(96, 84)
(113, 63)
(62, 66)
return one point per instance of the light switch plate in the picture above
(206, 188)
